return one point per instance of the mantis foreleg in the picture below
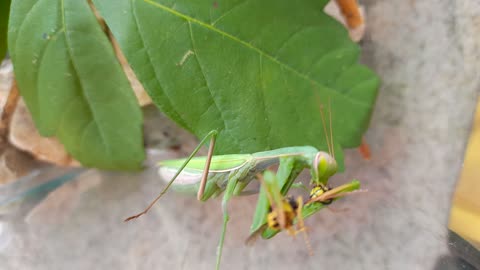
(288, 170)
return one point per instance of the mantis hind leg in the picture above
(203, 181)
(212, 134)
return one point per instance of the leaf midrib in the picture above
(149, 59)
(82, 92)
(248, 45)
(207, 85)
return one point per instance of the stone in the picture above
(25, 136)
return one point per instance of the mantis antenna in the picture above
(331, 130)
(211, 134)
(329, 141)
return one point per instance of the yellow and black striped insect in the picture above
(285, 213)
(319, 190)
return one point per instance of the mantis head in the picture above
(325, 166)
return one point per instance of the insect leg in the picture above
(301, 225)
(226, 197)
(212, 134)
(241, 185)
(203, 182)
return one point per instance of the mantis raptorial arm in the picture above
(212, 134)
(288, 170)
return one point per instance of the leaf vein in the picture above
(248, 45)
(19, 29)
(152, 66)
(290, 37)
(206, 81)
(323, 56)
(289, 92)
(40, 62)
(267, 118)
(228, 12)
(83, 93)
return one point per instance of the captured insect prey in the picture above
(283, 211)
(290, 207)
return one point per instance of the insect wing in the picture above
(220, 163)
(186, 177)
(192, 174)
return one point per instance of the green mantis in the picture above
(210, 176)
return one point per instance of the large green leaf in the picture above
(73, 84)
(251, 69)
(4, 10)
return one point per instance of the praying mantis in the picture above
(210, 176)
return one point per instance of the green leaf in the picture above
(73, 84)
(251, 69)
(4, 11)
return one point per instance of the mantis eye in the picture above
(325, 166)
